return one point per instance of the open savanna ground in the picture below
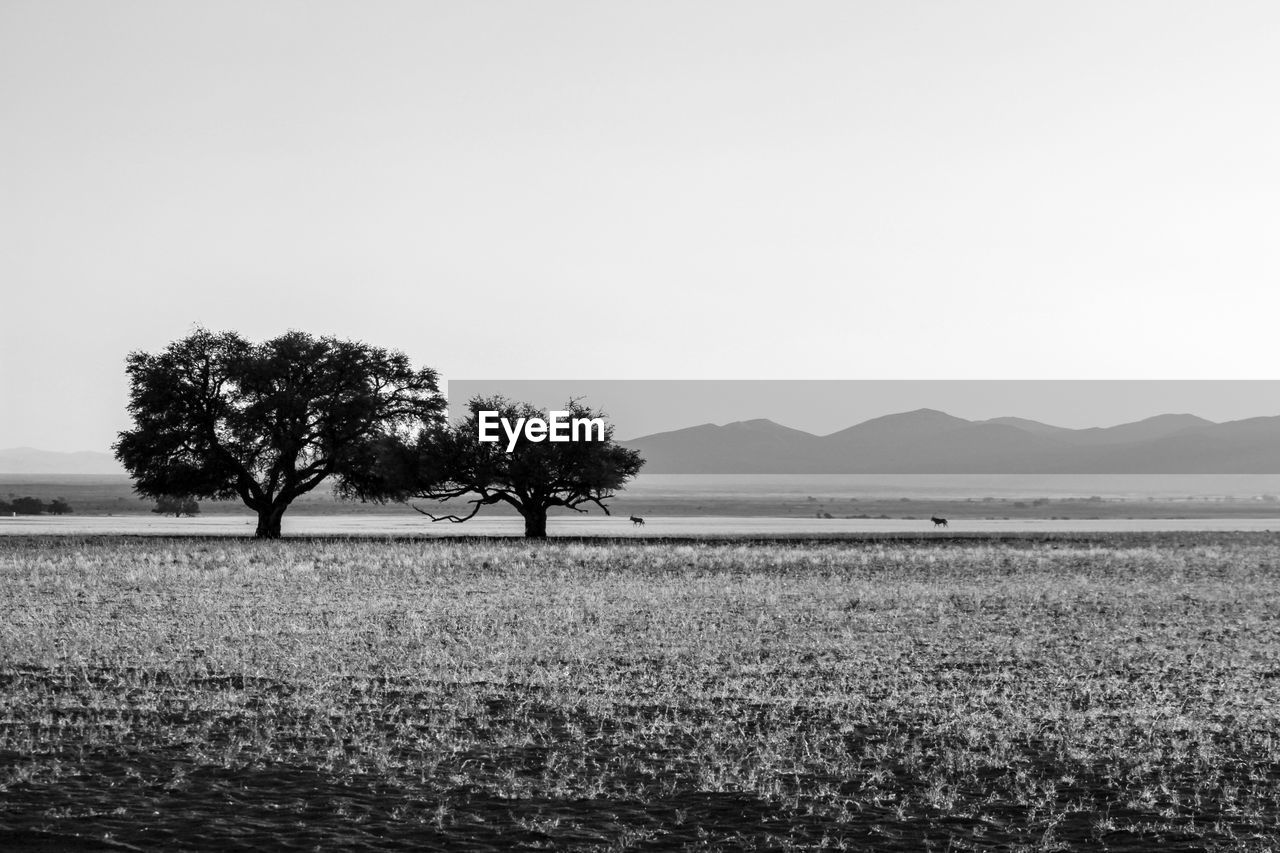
(841, 498)
(597, 526)
(1113, 692)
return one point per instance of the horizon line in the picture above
(921, 409)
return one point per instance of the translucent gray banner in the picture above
(927, 426)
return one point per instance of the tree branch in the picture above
(478, 502)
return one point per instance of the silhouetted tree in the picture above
(59, 506)
(450, 462)
(218, 417)
(27, 506)
(177, 506)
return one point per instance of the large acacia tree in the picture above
(450, 463)
(218, 417)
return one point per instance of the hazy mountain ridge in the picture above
(926, 441)
(30, 460)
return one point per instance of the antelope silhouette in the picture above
(938, 522)
(637, 520)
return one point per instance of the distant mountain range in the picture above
(927, 441)
(924, 441)
(28, 460)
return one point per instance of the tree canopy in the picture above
(218, 417)
(177, 506)
(34, 506)
(449, 462)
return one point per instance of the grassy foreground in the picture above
(1106, 693)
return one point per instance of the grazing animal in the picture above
(938, 522)
(637, 520)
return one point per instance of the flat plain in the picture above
(595, 526)
(865, 500)
(1066, 691)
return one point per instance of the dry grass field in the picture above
(1100, 692)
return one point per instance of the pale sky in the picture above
(641, 190)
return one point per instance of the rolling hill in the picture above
(29, 460)
(926, 441)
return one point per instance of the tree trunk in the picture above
(535, 522)
(269, 522)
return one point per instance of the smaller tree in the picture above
(450, 462)
(28, 506)
(177, 506)
(60, 507)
